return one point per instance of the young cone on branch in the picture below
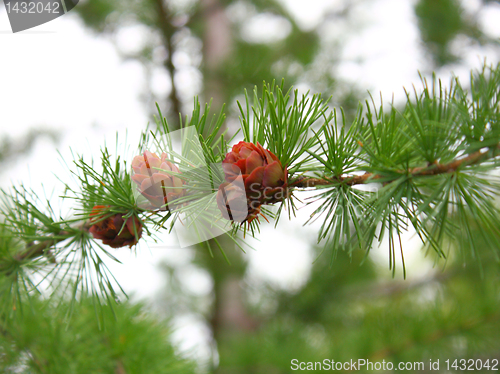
(155, 177)
(232, 202)
(110, 231)
(264, 179)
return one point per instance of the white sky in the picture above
(60, 76)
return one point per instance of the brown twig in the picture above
(43, 248)
(432, 169)
(120, 368)
(37, 250)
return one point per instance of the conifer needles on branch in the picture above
(427, 166)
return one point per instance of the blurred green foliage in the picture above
(442, 21)
(352, 312)
(12, 148)
(120, 340)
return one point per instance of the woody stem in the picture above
(36, 250)
(435, 168)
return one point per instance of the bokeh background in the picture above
(71, 85)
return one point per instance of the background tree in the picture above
(214, 43)
(442, 22)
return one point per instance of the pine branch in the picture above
(43, 247)
(291, 142)
(431, 170)
(40, 249)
